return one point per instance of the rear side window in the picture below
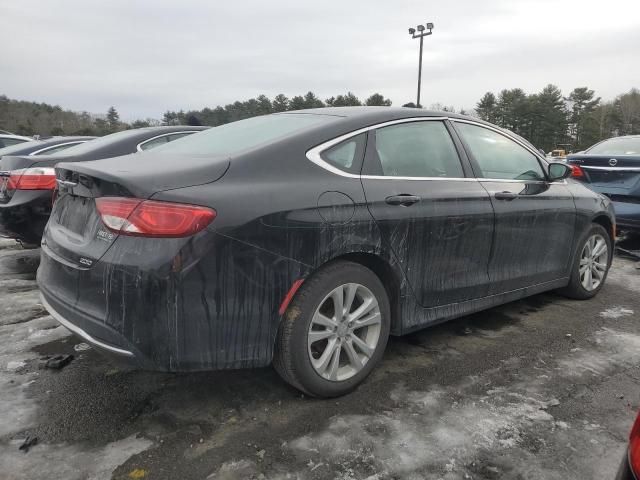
(498, 156)
(7, 142)
(57, 148)
(346, 155)
(176, 136)
(416, 149)
(154, 142)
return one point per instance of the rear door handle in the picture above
(403, 200)
(505, 195)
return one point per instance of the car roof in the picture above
(381, 112)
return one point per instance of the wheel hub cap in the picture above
(594, 261)
(344, 332)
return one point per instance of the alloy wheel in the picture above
(344, 332)
(593, 262)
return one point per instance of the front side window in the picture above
(498, 156)
(416, 149)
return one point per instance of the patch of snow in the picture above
(615, 349)
(616, 312)
(71, 462)
(15, 364)
(235, 470)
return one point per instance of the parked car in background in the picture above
(27, 182)
(630, 466)
(306, 238)
(49, 146)
(8, 140)
(612, 167)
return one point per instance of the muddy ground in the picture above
(543, 388)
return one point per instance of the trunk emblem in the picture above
(613, 162)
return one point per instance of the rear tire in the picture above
(590, 265)
(325, 353)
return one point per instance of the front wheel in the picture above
(591, 265)
(334, 332)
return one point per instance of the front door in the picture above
(535, 218)
(436, 218)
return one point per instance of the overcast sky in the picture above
(147, 57)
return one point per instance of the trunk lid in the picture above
(76, 235)
(613, 174)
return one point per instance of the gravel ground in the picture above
(543, 388)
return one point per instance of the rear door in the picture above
(534, 218)
(436, 218)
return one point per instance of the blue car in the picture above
(612, 167)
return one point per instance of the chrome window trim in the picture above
(314, 153)
(139, 146)
(51, 147)
(79, 331)
(609, 169)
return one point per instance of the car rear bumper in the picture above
(627, 215)
(25, 215)
(205, 303)
(81, 325)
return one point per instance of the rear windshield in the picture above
(18, 147)
(617, 146)
(243, 134)
(92, 145)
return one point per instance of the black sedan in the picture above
(27, 182)
(612, 167)
(49, 146)
(307, 238)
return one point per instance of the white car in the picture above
(8, 140)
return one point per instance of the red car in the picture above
(630, 467)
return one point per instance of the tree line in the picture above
(548, 118)
(263, 105)
(32, 118)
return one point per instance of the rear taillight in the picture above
(576, 171)
(634, 447)
(36, 178)
(150, 218)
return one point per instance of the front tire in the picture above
(334, 331)
(591, 265)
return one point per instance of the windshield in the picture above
(243, 134)
(617, 146)
(18, 147)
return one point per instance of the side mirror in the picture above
(559, 171)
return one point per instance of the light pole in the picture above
(422, 32)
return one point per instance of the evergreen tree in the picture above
(113, 119)
(280, 103)
(378, 100)
(487, 107)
